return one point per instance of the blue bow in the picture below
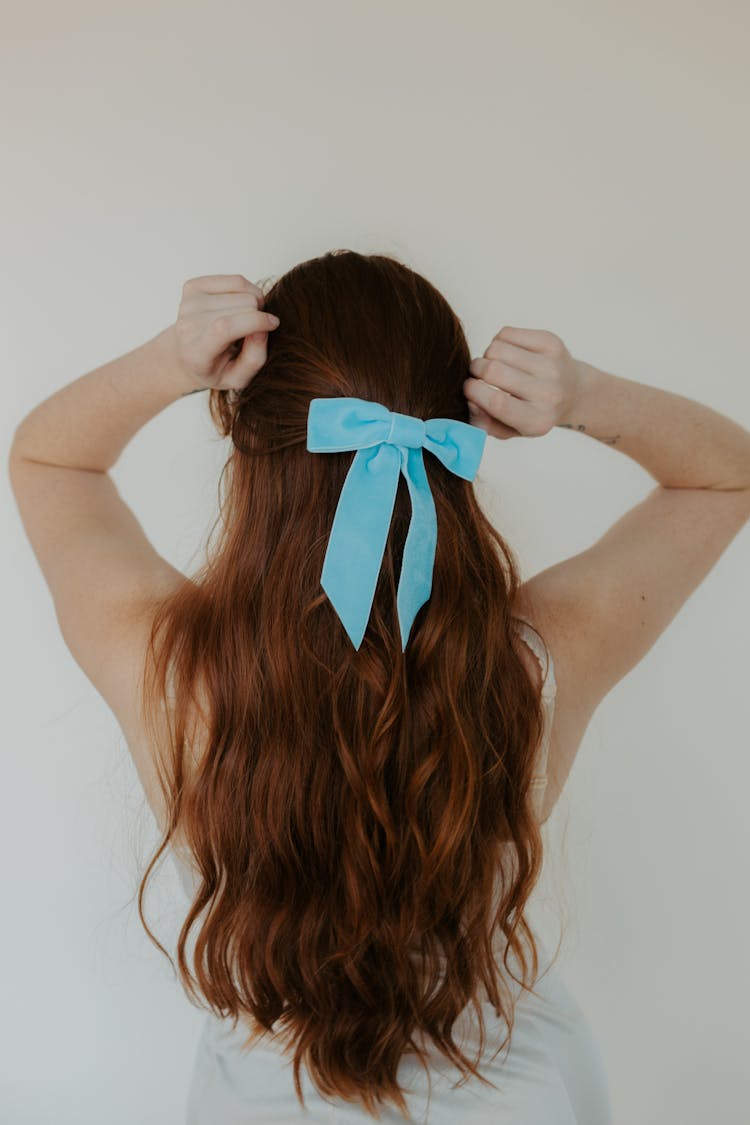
(387, 443)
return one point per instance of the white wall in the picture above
(579, 167)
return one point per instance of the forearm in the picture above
(87, 423)
(680, 442)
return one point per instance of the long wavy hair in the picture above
(347, 812)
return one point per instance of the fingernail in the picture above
(274, 319)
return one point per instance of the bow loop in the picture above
(387, 443)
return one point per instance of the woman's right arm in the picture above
(608, 604)
(680, 442)
(602, 610)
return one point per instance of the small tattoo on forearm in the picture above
(582, 429)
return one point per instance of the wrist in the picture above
(164, 349)
(584, 381)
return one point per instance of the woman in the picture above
(353, 721)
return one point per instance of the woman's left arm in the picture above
(99, 565)
(102, 571)
(88, 423)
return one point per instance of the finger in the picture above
(491, 425)
(516, 382)
(501, 405)
(234, 325)
(512, 355)
(533, 339)
(197, 304)
(221, 283)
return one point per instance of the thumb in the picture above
(249, 360)
(494, 427)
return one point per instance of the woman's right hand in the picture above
(526, 383)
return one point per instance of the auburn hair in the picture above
(347, 812)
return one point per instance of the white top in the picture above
(551, 1073)
(549, 692)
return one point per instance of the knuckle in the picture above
(501, 350)
(221, 325)
(554, 344)
(499, 399)
(552, 396)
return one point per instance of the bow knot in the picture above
(387, 444)
(406, 430)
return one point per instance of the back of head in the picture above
(348, 809)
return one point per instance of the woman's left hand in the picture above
(221, 331)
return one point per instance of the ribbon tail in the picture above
(415, 580)
(356, 545)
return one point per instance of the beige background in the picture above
(581, 167)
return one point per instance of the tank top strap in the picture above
(538, 782)
(542, 653)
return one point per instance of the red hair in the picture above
(347, 809)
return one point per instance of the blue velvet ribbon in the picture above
(387, 443)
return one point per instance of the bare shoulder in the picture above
(149, 742)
